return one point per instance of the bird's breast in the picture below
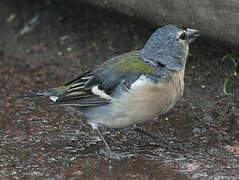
(144, 101)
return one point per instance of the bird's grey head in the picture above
(168, 46)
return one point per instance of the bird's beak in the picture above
(192, 34)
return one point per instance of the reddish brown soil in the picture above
(40, 141)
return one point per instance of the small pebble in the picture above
(69, 49)
(196, 130)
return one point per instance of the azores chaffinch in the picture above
(133, 87)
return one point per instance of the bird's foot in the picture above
(167, 145)
(114, 155)
(160, 140)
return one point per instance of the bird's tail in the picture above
(47, 93)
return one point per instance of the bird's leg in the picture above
(158, 138)
(103, 139)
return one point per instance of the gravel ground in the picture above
(38, 141)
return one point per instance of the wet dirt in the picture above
(38, 141)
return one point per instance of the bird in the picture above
(130, 88)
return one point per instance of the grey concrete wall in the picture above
(216, 18)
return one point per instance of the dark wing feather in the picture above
(113, 78)
(83, 102)
(75, 93)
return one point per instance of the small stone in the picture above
(196, 130)
(69, 49)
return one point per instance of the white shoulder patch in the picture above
(95, 90)
(139, 82)
(53, 98)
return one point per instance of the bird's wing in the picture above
(111, 79)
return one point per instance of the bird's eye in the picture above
(182, 36)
